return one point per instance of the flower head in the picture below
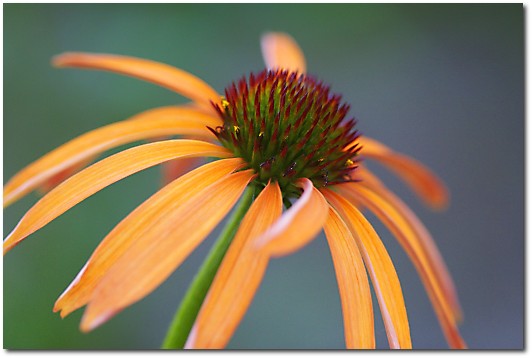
(288, 126)
(284, 137)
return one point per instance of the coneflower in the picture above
(285, 149)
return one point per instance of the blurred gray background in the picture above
(443, 83)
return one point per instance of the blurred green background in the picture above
(443, 83)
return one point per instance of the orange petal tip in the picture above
(88, 325)
(60, 307)
(11, 241)
(62, 59)
(6, 248)
(280, 50)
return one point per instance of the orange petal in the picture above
(160, 250)
(61, 176)
(425, 239)
(153, 123)
(174, 169)
(411, 243)
(365, 176)
(353, 284)
(142, 221)
(161, 74)
(280, 50)
(238, 277)
(102, 174)
(420, 179)
(381, 270)
(298, 225)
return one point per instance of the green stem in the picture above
(188, 310)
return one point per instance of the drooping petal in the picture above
(381, 270)
(420, 179)
(143, 221)
(61, 176)
(280, 50)
(172, 120)
(425, 239)
(161, 74)
(105, 172)
(365, 176)
(175, 168)
(154, 255)
(298, 225)
(353, 284)
(409, 240)
(238, 277)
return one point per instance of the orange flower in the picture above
(279, 132)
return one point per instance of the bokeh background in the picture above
(443, 83)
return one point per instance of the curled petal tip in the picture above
(298, 225)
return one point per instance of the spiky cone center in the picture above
(288, 126)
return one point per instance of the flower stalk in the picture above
(187, 312)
